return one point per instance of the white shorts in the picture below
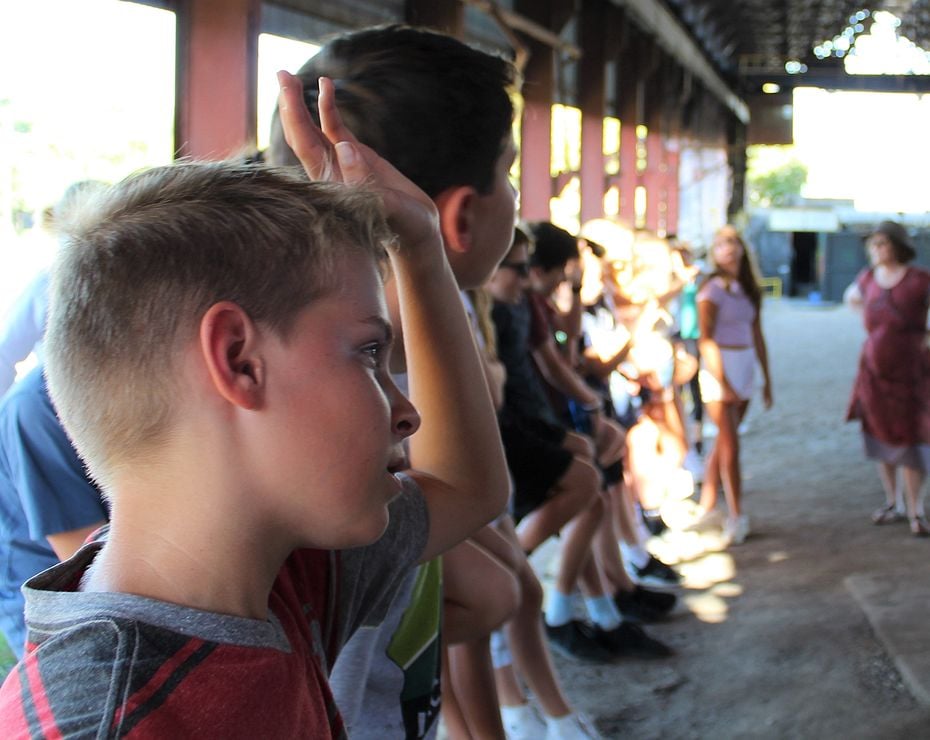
(739, 368)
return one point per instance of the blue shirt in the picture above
(43, 490)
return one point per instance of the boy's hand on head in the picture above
(331, 152)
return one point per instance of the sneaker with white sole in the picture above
(522, 723)
(571, 727)
(706, 521)
(654, 573)
(736, 530)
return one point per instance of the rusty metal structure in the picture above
(676, 73)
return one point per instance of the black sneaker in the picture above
(655, 573)
(579, 641)
(642, 606)
(631, 640)
(661, 601)
(654, 522)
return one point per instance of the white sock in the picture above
(500, 650)
(603, 612)
(522, 721)
(559, 608)
(642, 531)
(635, 554)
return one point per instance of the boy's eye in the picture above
(375, 353)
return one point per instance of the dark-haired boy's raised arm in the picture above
(460, 463)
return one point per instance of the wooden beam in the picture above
(655, 19)
(447, 16)
(529, 25)
(216, 77)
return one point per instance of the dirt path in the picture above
(776, 645)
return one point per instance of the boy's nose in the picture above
(404, 417)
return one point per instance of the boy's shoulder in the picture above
(102, 663)
(119, 661)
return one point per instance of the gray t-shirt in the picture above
(112, 663)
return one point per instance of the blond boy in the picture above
(218, 349)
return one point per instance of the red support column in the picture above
(673, 156)
(629, 177)
(535, 143)
(539, 94)
(654, 179)
(629, 96)
(656, 66)
(216, 77)
(593, 99)
(592, 166)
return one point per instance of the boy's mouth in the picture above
(398, 464)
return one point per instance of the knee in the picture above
(531, 591)
(580, 445)
(502, 600)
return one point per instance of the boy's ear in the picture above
(229, 342)
(457, 217)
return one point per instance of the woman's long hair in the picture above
(748, 275)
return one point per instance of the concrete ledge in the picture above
(897, 606)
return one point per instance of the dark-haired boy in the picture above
(441, 113)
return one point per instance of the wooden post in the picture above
(592, 99)
(217, 51)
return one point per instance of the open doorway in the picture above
(804, 278)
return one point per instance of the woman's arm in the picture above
(762, 354)
(710, 351)
(852, 296)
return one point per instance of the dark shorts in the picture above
(536, 459)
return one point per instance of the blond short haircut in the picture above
(140, 264)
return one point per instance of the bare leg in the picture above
(472, 679)
(606, 551)
(913, 482)
(711, 481)
(724, 460)
(888, 474)
(530, 650)
(573, 493)
(479, 592)
(624, 511)
(576, 546)
(452, 717)
(647, 474)
(611, 442)
(674, 436)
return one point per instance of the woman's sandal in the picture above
(920, 527)
(888, 514)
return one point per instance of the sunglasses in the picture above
(521, 268)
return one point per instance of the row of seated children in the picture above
(646, 286)
(219, 353)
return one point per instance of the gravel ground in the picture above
(771, 644)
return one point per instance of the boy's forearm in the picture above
(458, 441)
(558, 374)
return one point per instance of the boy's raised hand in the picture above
(334, 154)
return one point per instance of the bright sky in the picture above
(867, 147)
(88, 92)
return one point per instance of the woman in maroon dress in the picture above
(891, 395)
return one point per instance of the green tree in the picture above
(777, 187)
